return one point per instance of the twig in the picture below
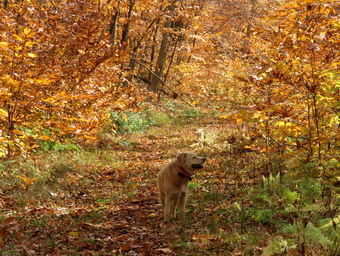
(286, 144)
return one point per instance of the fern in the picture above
(315, 236)
(264, 216)
(272, 183)
(290, 196)
(290, 228)
(277, 245)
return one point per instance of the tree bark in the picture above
(162, 52)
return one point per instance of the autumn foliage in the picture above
(253, 84)
(56, 80)
(65, 65)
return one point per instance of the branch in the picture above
(288, 145)
(163, 82)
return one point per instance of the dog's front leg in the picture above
(182, 203)
(167, 208)
(173, 208)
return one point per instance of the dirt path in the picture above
(101, 202)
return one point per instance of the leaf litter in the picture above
(96, 209)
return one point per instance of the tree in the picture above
(55, 78)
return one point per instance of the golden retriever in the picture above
(172, 183)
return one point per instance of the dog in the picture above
(172, 183)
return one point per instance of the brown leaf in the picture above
(8, 221)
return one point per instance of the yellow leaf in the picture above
(32, 55)
(257, 115)
(27, 181)
(90, 137)
(46, 138)
(224, 116)
(3, 112)
(125, 118)
(336, 25)
(280, 123)
(73, 234)
(23, 178)
(27, 30)
(29, 43)
(18, 38)
(239, 121)
(3, 44)
(335, 220)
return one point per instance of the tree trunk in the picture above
(162, 52)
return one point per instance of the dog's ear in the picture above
(181, 157)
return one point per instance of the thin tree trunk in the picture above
(171, 59)
(113, 26)
(168, 70)
(126, 28)
(161, 58)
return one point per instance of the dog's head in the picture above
(190, 161)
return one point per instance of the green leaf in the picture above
(277, 245)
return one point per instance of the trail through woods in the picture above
(106, 203)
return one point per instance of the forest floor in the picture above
(104, 201)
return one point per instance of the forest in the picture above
(97, 95)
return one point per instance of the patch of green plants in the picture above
(191, 113)
(104, 200)
(130, 122)
(92, 216)
(278, 245)
(194, 185)
(58, 146)
(182, 243)
(172, 105)
(320, 234)
(40, 222)
(295, 208)
(11, 253)
(159, 118)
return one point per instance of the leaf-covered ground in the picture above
(104, 201)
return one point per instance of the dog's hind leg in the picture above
(162, 197)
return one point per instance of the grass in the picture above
(104, 201)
